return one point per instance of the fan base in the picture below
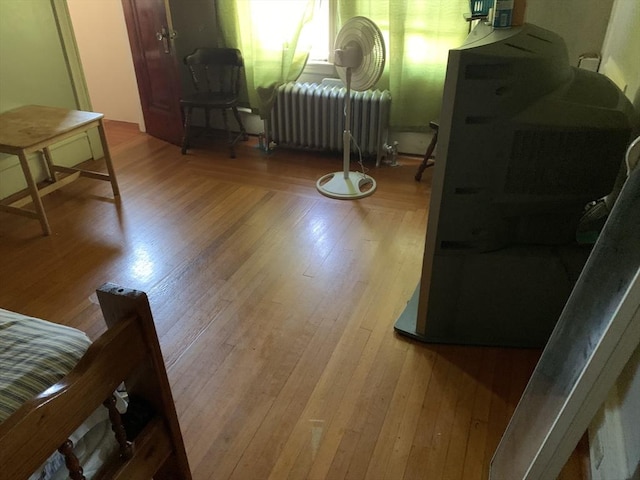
(357, 185)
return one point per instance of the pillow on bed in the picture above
(34, 355)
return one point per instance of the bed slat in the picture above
(71, 461)
(118, 428)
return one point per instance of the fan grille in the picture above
(363, 33)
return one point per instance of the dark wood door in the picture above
(151, 39)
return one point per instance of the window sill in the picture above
(316, 67)
(315, 72)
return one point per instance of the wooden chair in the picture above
(216, 74)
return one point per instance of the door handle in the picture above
(164, 36)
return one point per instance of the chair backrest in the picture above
(215, 69)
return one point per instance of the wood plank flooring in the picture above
(275, 309)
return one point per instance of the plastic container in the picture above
(502, 14)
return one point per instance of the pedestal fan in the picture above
(360, 57)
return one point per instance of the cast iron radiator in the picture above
(311, 115)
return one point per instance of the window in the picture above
(317, 36)
(321, 32)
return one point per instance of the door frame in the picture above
(74, 65)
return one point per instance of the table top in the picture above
(29, 125)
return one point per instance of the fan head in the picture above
(360, 47)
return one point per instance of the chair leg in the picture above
(428, 155)
(229, 134)
(243, 131)
(186, 132)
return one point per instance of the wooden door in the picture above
(151, 39)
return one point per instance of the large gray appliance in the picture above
(525, 142)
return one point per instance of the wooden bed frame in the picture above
(127, 352)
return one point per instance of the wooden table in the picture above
(33, 128)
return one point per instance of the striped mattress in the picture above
(34, 354)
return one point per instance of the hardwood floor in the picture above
(275, 309)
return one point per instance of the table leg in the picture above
(48, 159)
(107, 159)
(35, 195)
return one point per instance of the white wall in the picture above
(582, 24)
(621, 49)
(628, 390)
(105, 53)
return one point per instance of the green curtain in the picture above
(419, 35)
(271, 37)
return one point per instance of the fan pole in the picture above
(346, 133)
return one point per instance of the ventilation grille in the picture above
(569, 162)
